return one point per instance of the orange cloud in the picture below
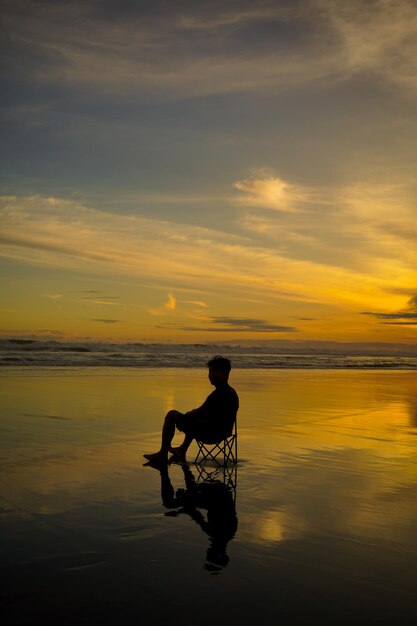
(171, 303)
(271, 192)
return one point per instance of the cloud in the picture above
(33, 334)
(255, 325)
(159, 51)
(69, 235)
(271, 193)
(198, 303)
(404, 317)
(103, 300)
(392, 316)
(226, 17)
(171, 303)
(412, 303)
(367, 224)
(157, 311)
(335, 259)
(194, 51)
(234, 324)
(106, 321)
(409, 323)
(378, 37)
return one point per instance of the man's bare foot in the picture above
(157, 457)
(178, 455)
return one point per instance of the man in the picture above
(211, 422)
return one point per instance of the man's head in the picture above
(219, 369)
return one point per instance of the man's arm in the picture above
(200, 412)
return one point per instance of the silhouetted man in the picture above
(211, 422)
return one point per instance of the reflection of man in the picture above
(211, 422)
(213, 496)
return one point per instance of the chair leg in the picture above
(227, 449)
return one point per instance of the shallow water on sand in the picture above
(319, 525)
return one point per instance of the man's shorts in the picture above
(192, 426)
(189, 425)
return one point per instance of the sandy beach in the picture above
(324, 500)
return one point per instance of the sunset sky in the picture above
(197, 171)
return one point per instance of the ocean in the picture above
(18, 352)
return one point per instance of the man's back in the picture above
(218, 413)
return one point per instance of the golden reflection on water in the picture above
(322, 528)
(320, 451)
(339, 457)
(274, 526)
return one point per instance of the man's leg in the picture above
(180, 452)
(168, 432)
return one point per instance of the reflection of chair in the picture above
(226, 474)
(218, 454)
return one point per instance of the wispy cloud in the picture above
(159, 117)
(238, 324)
(33, 333)
(234, 325)
(369, 225)
(412, 303)
(103, 300)
(197, 51)
(376, 37)
(400, 315)
(98, 298)
(198, 303)
(66, 234)
(233, 17)
(106, 321)
(404, 317)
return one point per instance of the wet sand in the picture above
(320, 527)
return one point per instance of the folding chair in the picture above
(224, 450)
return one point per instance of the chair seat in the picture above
(220, 453)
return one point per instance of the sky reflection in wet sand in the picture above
(326, 506)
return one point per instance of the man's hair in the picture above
(220, 363)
